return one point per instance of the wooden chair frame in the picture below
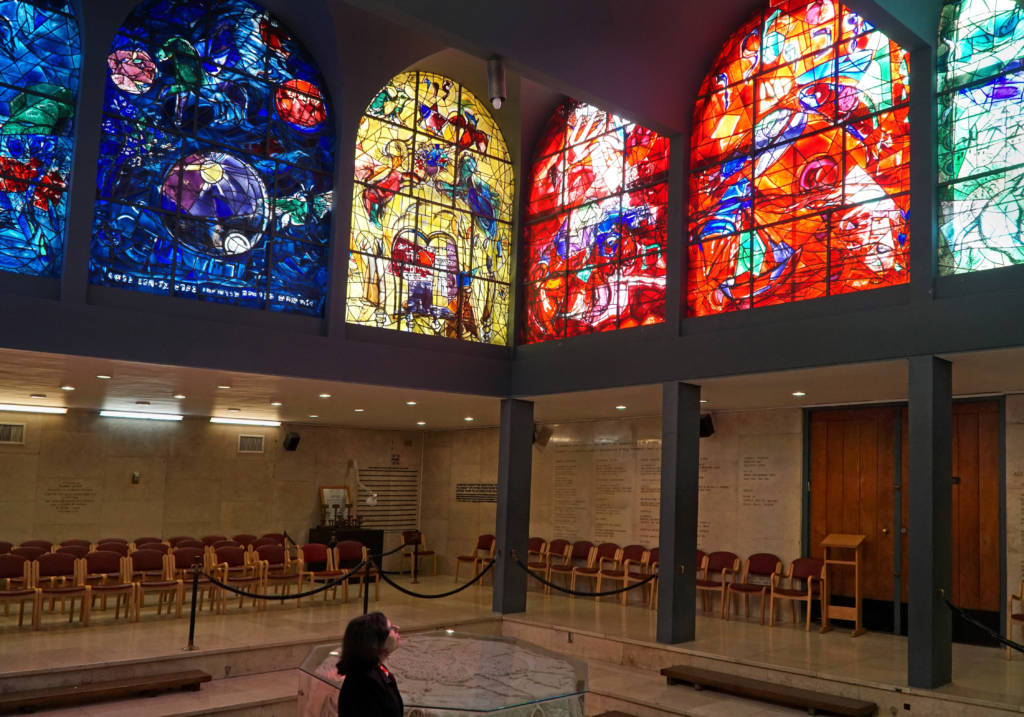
(423, 552)
(776, 592)
(707, 585)
(623, 575)
(478, 557)
(592, 571)
(745, 587)
(1012, 617)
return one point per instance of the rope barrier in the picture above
(977, 623)
(459, 589)
(579, 593)
(332, 583)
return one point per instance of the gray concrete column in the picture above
(515, 456)
(680, 455)
(930, 529)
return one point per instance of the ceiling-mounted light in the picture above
(358, 410)
(313, 415)
(468, 418)
(798, 394)
(703, 400)
(37, 395)
(245, 422)
(621, 407)
(496, 82)
(142, 403)
(223, 386)
(103, 377)
(325, 395)
(31, 409)
(276, 403)
(67, 387)
(180, 396)
(142, 416)
(234, 410)
(421, 423)
(410, 403)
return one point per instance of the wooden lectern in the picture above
(835, 544)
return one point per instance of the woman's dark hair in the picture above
(361, 646)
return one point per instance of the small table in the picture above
(842, 542)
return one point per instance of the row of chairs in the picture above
(32, 549)
(599, 564)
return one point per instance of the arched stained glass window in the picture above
(981, 135)
(215, 171)
(594, 237)
(799, 177)
(431, 215)
(40, 54)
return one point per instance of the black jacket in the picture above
(370, 693)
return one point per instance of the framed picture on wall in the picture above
(335, 502)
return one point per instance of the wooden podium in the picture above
(836, 544)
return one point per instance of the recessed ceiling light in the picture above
(276, 403)
(67, 387)
(144, 416)
(31, 409)
(421, 423)
(468, 418)
(37, 395)
(325, 395)
(799, 393)
(223, 386)
(313, 415)
(621, 407)
(103, 377)
(142, 403)
(410, 403)
(358, 410)
(180, 396)
(703, 400)
(235, 410)
(245, 422)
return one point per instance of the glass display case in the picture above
(447, 674)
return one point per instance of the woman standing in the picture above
(369, 689)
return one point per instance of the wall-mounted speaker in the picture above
(707, 426)
(291, 441)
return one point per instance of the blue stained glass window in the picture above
(40, 54)
(216, 165)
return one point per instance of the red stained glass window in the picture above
(594, 238)
(800, 162)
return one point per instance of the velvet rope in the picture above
(459, 589)
(333, 582)
(579, 593)
(995, 635)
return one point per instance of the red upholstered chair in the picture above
(347, 555)
(260, 542)
(317, 561)
(755, 579)
(147, 569)
(29, 552)
(139, 542)
(720, 567)
(233, 568)
(112, 540)
(5, 547)
(191, 543)
(78, 551)
(653, 565)
(582, 554)
(227, 544)
(607, 554)
(554, 553)
(633, 561)
(46, 545)
(1012, 618)
(483, 553)
(119, 548)
(162, 548)
(146, 565)
(244, 539)
(211, 539)
(415, 544)
(275, 567)
(75, 541)
(536, 548)
(16, 586)
(177, 539)
(178, 565)
(809, 571)
(56, 576)
(279, 537)
(104, 571)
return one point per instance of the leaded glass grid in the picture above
(40, 55)
(799, 183)
(215, 176)
(431, 214)
(981, 135)
(594, 237)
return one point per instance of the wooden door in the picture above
(852, 470)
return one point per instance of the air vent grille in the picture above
(248, 443)
(12, 433)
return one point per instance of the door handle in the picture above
(885, 531)
(903, 531)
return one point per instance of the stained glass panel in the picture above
(216, 160)
(594, 236)
(40, 55)
(431, 214)
(799, 162)
(981, 135)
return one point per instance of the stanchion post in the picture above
(416, 560)
(366, 585)
(192, 612)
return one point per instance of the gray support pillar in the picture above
(930, 551)
(680, 455)
(515, 457)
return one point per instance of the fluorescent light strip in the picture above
(31, 409)
(245, 422)
(143, 416)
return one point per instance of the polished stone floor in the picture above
(878, 659)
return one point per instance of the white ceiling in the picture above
(23, 373)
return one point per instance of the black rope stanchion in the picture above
(192, 612)
(459, 589)
(366, 586)
(333, 582)
(977, 623)
(580, 593)
(416, 560)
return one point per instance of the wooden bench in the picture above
(810, 700)
(28, 700)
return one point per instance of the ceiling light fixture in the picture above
(276, 403)
(235, 410)
(410, 403)
(67, 387)
(31, 409)
(325, 395)
(223, 386)
(703, 400)
(621, 407)
(37, 395)
(421, 423)
(358, 410)
(798, 394)
(468, 418)
(103, 377)
(180, 396)
(142, 416)
(313, 415)
(245, 422)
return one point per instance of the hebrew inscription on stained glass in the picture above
(594, 242)
(40, 54)
(981, 135)
(799, 177)
(215, 171)
(431, 214)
